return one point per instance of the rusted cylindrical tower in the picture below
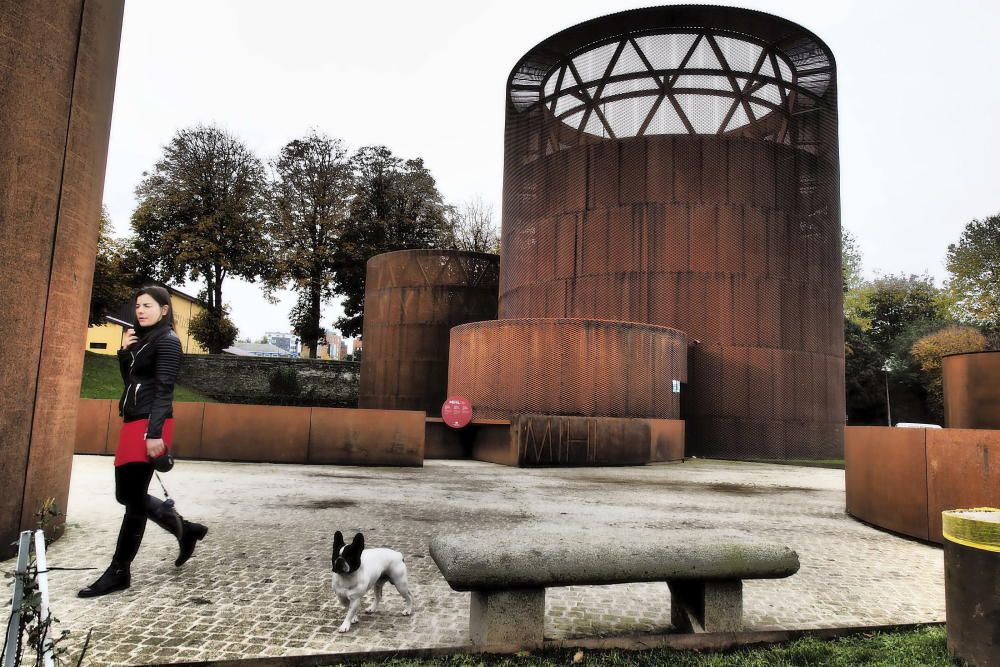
(678, 166)
(412, 300)
(58, 63)
(586, 368)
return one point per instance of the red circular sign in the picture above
(456, 411)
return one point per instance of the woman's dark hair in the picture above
(161, 296)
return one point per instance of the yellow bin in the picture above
(972, 584)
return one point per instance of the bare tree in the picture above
(474, 228)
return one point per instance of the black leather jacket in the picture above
(150, 370)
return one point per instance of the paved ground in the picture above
(259, 584)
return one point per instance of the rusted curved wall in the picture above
(731, 236)
(412, 300)
(568, 367)
(971, 390)
(58, 63)
(901, 479)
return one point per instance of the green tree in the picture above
(213, 330)
(396, 206)
(974, 264)
(863, 375)
(850, 261)
(309, 205)
(114, 279)
(305, 324)
(201, 216)
(890, 304)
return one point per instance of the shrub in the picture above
(284, 381)
(928, 350)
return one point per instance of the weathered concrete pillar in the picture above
(515, 616)
(57, 80)
(711, 605)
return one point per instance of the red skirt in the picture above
(132, 441)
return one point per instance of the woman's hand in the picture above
(129, 338)
(155, 447)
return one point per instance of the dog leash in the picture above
(168, 501)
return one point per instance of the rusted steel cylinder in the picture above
(971, 390)
(412, 300)
(678, 166)
(573, 367)
(58, 62)
(972, 584)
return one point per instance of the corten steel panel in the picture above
(271, 433)
(886, 477)
(568, 367)
(56, 93)
(666, 440)
(114, 430)
(412, 300)
(560, 440)
(493, 444)
(971, 390)
(721, 220)
(92, 417)
(342, 436)
(443, 442)
(188, 422)
(962, 472)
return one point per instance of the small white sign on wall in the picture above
(677, 386)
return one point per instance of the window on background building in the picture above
(98, 346)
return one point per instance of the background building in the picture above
(106, 338)
(288, 342)
(256, 350)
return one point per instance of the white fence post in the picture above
(14, 627)
(43, 588)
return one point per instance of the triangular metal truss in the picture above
(694, 82)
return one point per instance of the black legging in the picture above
(132, 491)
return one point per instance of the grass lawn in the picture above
(102, 379)
(923, 647)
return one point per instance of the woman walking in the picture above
(149, 360)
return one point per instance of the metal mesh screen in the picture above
(412, 300)
(568, 367)
(678, 166)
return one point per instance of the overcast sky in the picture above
(918, 87)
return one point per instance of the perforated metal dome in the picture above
(676, 70)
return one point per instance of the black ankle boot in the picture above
(165, 516)
(116, 578)
(191, 534)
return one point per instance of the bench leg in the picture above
(707, 606)
(507, 617)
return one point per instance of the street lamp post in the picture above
(888, 406)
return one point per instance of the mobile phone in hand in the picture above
(121, 323)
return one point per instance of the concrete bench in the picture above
(508, 572)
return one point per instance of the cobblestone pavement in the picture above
(259, 585)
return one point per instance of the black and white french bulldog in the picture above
(357, 570)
